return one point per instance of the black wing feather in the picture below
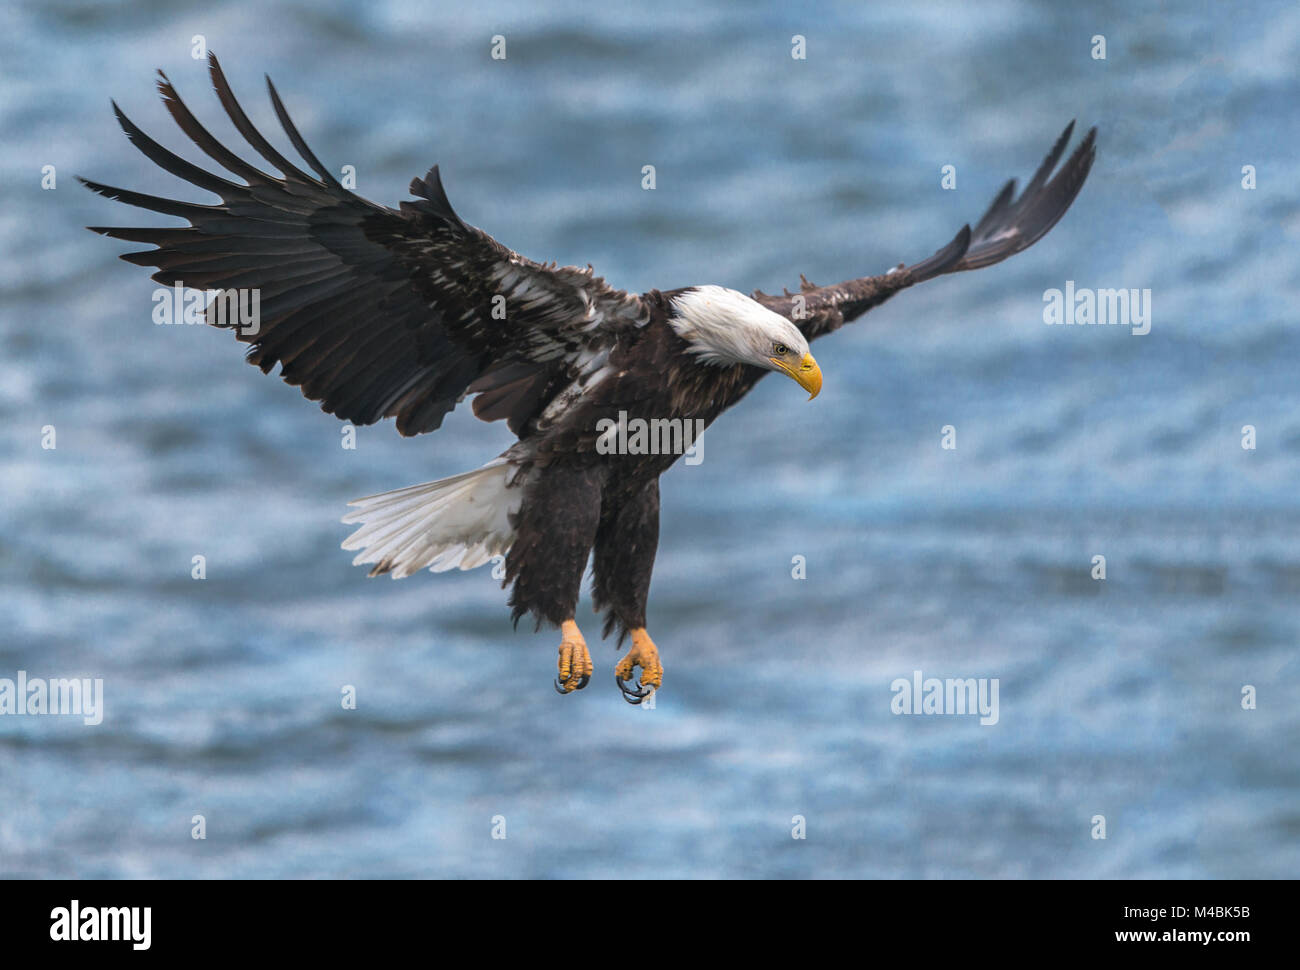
(372, 311)
(1010, 225)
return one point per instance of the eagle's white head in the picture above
(722, 326)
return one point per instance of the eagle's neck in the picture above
(699, 386)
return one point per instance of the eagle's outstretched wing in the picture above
(372, 311)
(1006, 228)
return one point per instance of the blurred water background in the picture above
(1119, 698)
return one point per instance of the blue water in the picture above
(1119, 698)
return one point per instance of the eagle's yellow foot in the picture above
(644, 654)
(575, 661)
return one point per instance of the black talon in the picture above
(561, 689)
(632, 695)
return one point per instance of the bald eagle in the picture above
(402, 313)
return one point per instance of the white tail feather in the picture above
(458, 522)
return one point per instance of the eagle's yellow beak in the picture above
(807, 375)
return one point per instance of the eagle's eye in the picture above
(780, 350)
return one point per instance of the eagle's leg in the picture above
(575, 661)
(624, 559)
(554, 531)
(644, 654)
